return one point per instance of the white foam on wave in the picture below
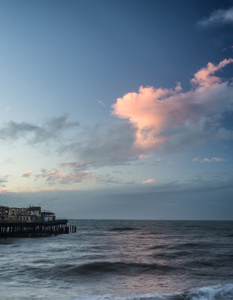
(204, 293)
(154, 296)
(211, 293)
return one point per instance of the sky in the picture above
(117, 109)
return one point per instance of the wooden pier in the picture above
(33, 229)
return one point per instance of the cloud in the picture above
(27, 174)
(148, 200)
(209, 160)
(170, 119)
(148, 181)
(3, 180)
(217, 18)
(205, 77)
(101, 103)
(143, 156)
(4, 190)
(163, 161)
(110, 143)
(66, 173)
(32, 190)
(152, 119)
(50, 130)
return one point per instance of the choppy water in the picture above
(122, 260)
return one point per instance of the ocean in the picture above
(115, 259)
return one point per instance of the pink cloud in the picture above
(5, 190)
(68, 178)
(142, 156)
(31, 190)
(148, 181)
(70, 172)
(172, 118)
(148, 111)
(205, 76)
(27, 174)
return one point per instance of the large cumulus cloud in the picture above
(172, 119)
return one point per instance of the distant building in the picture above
(4, 211)
(29, 214)
(30, 222)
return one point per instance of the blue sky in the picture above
(117, 109)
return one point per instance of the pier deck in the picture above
(32, 229)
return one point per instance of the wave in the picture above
(210, 293)
(100, 268)
(122, 268)
(203, 293)
(122, 229)
(201, 245)
(171, 255)
(183, 246)
(158, 247)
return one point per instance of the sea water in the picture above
(111, 259)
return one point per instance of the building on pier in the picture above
(29, 222)
(29, 214)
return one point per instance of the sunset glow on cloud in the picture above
(205, 77)
(27, 174)
(68, 177)
(161, 116)
(5, 190)
(148, 181)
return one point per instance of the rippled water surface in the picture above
(122, 260)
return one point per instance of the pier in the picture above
(31, 222)
(33, 229)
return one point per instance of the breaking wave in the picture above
(203, 293)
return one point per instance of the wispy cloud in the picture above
(27, 174)
(148, 181)
(217, 18)
(209, 160)
(71, 177)
(101, 103)
(33, 133)
(66, 173)
(110, 143)
(143, 156)
(4, 190)
(33, 190)
(3, 180)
